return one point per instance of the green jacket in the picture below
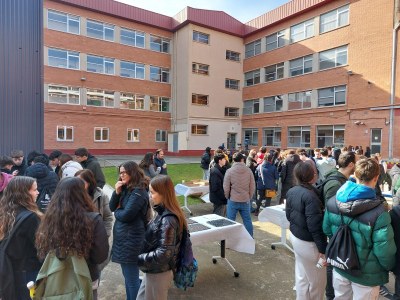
(371, 230)
(332, 186)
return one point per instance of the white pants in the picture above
(310, 280)
(346, 289)
(155, 286)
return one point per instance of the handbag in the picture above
(270, 193)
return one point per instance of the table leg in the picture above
(214, 259)
(185, 206)
(283, 241)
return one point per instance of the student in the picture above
(216, 183)
(159, 161)
(148, 167)
(19, 163)
(90, 162)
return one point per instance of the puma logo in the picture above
(343, 262)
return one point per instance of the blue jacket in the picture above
(269, 174)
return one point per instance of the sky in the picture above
(243, 10)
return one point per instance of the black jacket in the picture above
(216, 181)
(287, 176)
(129, 209)
(93, 165)
(395, 215)
(45, 178)
(21, 169)
(305, 215)
(159, 162)
(162, 242)
(205, 160)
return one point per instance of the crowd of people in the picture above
(54, 207)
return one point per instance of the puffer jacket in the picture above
(334, 184)
(395, 175)
(287, 176)
(216, 182)
(266, 176)
(70, 168)
(239, 184)
(371, 230)
(45, 178)
(305, 215)
(130, 208)
(162, 242)
(395, 215)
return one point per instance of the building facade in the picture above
(122, 80)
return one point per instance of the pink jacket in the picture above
(239, 184)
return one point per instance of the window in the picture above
(250, 137)
(334, 19)
(132, 38)
(301, 65)
(133, 135)
(161, 135)
(232, 55)
(131, 101)
(232, 84)
(376, 140)
(302, 31)
(63, 22)
(272, 104)
(159, 104)
(159, 74)
(65, 133)
(253, 48)
(231, 112)
(272, 136)
(63, 94)
(251, 107)
(274, 72)
(199, 129)
(159, 44)
(252, 77)
(332, 96)
(101, 134)
(200, 68)
(299, 100)
(333, 58)
(63, 59)
(100, 98)
(132, 70)
(330, 135)
(199, 99)
(99, 64)
(201, 37)
(299, 136)
(100, 30)
(276, 40)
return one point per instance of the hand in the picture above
(118, 187)
(158, 169)
(164, 166)
(15, 173)
(324, 258)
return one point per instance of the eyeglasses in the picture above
(122, 173)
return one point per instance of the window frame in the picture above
(161, 132)
(163, 41)
(247, 107)
(275, 100)
(278, 37)
(201, 69)
(132, 131)
(199, 129)
(303, 143)
(105, 27)
(300, 97)
(105, 94)
(275, 141)
(69, 55)
(106, 62)
(136, 67)
(69, 17)
(136, 99)
(232, 84)
(232, 55)
(102, 140)
(255, 74)
(196, 99)
(336, 53)
(157, 101)
(68, 91)
(65, 128)
(231, 112)
(279, 69)
(305, 25)
(338, 11)
(201, 37)
(334, 128)
(124, 37)
(342, 88)
(304, 60)
(254, 136)
(162, 73)
(256, 48)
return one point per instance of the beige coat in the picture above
(239, 184)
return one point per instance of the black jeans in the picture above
(329, 291)
(396, 295)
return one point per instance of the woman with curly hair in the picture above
(18, 209)
(148, 167)
(129, 202)
(162, 241)
(72, 227)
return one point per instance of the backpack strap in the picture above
(22, 216)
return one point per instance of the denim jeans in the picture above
(132, 282)
(244, 209)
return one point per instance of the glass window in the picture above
(272, 104)
(251, 107)
(252, 77)
(63, 22)
(159, 44)
(133, 135)
(199, 99)
(330, 135)
(199, 129)
(131, 101)
(232, 84)
(334, 19)
(231, 112)
(99, 64)
(302, 31)
(274, 72)
(272, 136)
(100, 30)
(132, 38)
(299, 136)
(376, 140)
(250, 137)
(332, 96)
(100, 98)
(65, 133)
(301, 65)
(276, 40)
(63, 59)
(232, 55)
(201, 37)
(200, 68)
(159, 103)
(159, 74)
(253, 48)
(299, 100)
(161, 135)
(63, 94)
(132, 70)
(333, 58)
(101, 134)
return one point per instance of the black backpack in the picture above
(7, 281)
(320, 187)
(43, 200)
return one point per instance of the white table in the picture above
(184, 190)
(277, 215)
(233, 236)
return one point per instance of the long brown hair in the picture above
(16, 195)
(163, 185)
(66, 227)
(88, 176)
(137, 178)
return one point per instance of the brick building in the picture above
(123, 80)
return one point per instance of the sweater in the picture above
(239, 184)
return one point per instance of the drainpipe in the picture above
(393, 86)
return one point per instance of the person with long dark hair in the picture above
(162, 241)
(19, 199)
(72, 227)
(148, 167)
(129, 202)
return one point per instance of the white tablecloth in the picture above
(236, 236)
(182, 189)
(274, 214)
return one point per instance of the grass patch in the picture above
(177, 173)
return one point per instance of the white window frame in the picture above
(136, 34)
(132, 132)
(275, 100)
(70, 18)
(65, 128)
(253, 48)
(157, 102)
(276, 136)
(199, 129)
(104, 96)
(336, 90)
(103, 129)
(334, 129)
(304, 30)
(161, 133)
(333, 57)
(303, 60)
(253, 136)
(158, 74)
(200, 99)
(276, 74)
(232, 84)
(300, 97)
(137, 68)
(159, 46)
(201, 37)
(106, 63)
(336, 14)
(105, 28)
(277, 42)
(231, 112)
(202, 69)
(232, 55)
(67, 90)
(136, 101)
(249, 107)
(69, 55)
(303, 130)
(254, 76)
